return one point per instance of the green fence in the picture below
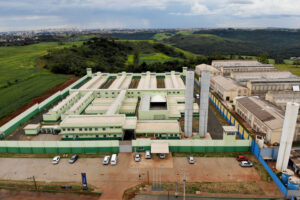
(59, 146)
(141, 145)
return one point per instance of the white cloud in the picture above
(30, 18)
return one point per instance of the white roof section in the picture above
(91, 82)
(63, 102)
(32, 126)
(116, 105)
(145, 102)
(82, 100)
(158, 99)
(229, 128)
(238, 63)
(205, 67)
(159, 148)
(92, 120)
(296, 88)
(226, 83)
(99, 83)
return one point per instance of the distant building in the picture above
(244, 77)
(261, 116)
(204, 67)
(228, 66)
(227, 88)
(260, 87)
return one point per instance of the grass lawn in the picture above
(156, 57)
(21, 79)
(295, 69)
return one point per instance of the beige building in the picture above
(260, 87)
(243, 77)
(208, 68)
(227, 88)
(228, 66)
(261, 116)
(280, 99)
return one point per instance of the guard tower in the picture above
(89, 72)
(229, 134)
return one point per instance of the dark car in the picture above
(242, 158)
(73, 159)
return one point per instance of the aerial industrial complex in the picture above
(159, 112)
(117, 106)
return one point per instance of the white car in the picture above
(148, 154)
(246, 164)
(197, 96)
(191, 159)
(56, 160)
(137, 157)
(106, 160)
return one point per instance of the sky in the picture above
(17, 15)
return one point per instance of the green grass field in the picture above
(20, 78)
(151, 58)
(295, 69)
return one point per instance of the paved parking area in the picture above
(113, 180)
(154, 162)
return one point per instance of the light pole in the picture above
(184, 180)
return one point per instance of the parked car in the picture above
(191, 159)
(106, 160)
(241, 158)
(246, 164)
(137, 157)
(162, 155)
(114, 159)
(56, 160)
(148, 155)
(73, 159)
(197, 96)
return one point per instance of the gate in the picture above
(125, 146)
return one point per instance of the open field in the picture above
(21, 79)
(295, 69)
(112, 181)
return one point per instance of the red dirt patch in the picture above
(39, 99)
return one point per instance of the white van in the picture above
(113, 160)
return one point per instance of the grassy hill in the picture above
(280, 44)
(21, 79)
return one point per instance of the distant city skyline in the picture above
(18, 15)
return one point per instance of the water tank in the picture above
(285, 175)
(293, 183)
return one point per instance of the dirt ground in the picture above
(112, 181)
(21, 195)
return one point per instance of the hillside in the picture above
(102, 54)
(280, 44)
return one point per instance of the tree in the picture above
(263, 58)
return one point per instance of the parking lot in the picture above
(112, 181)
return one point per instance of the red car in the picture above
(242, 158)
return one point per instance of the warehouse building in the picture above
(263, 117)
(280, 99)
(228, 66)
(207, 68)
(227, 88)
(243, 77)
(260, 87)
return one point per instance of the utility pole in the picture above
(184, 180)
(34, 183)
